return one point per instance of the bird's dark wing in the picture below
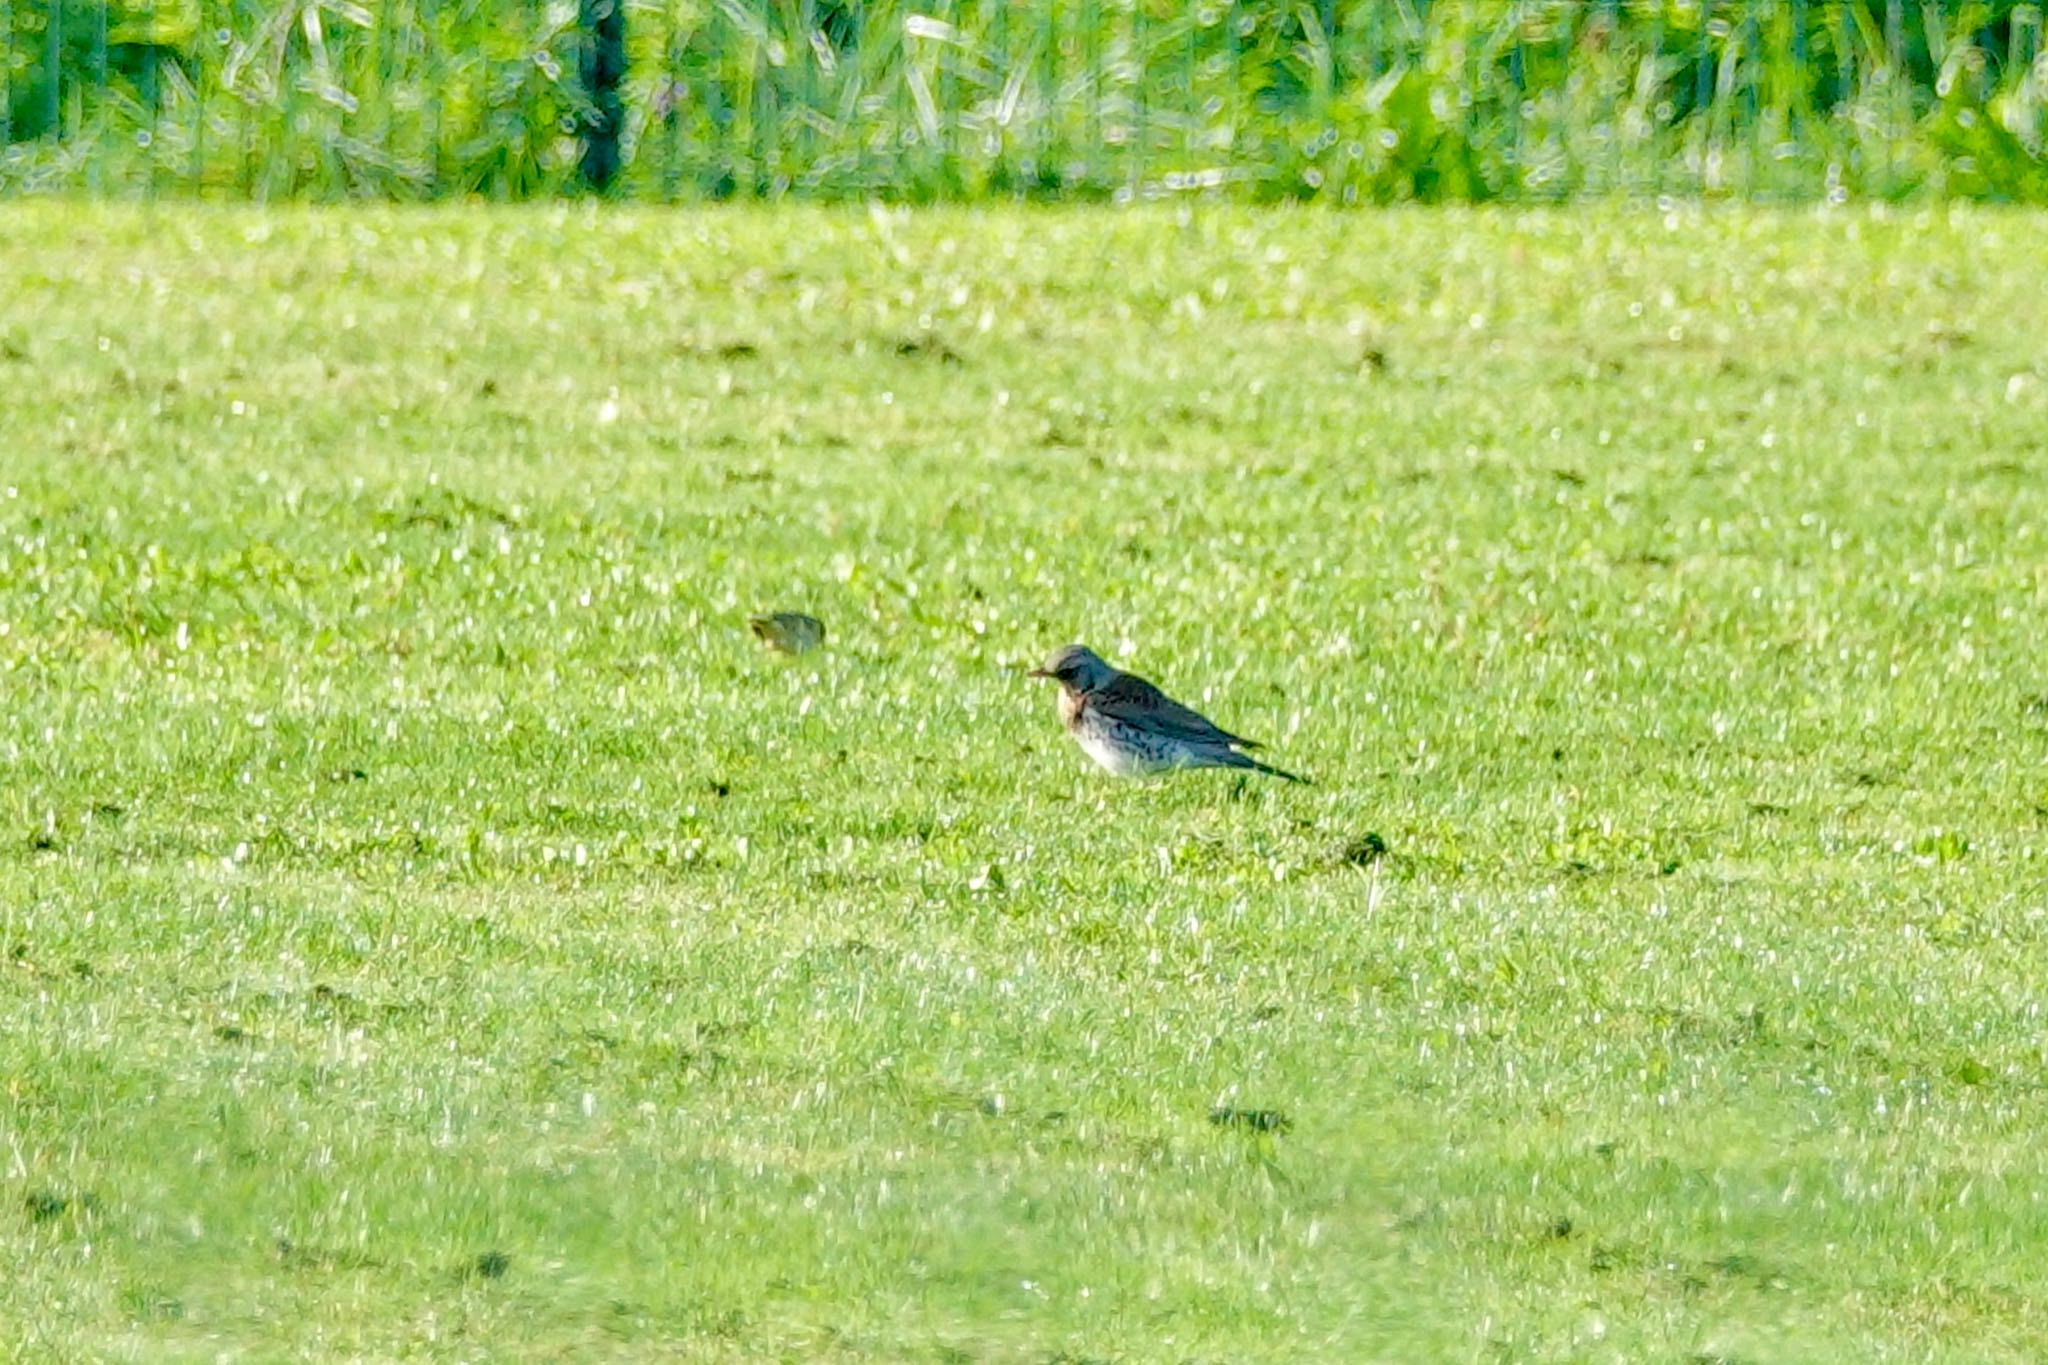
(1129, 697)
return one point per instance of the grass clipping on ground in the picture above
(430, 923)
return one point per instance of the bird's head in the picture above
(1076, 667)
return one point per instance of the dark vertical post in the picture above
(1703, 71)
(670, 106)
(1752, 97)
(6, 81)
(1801, 95)
(764, 115)
(53, 69)
(152, 100)
(1845, 63)
(1518, 78)
(1703, 61)
(1477, 74)
(603, 70)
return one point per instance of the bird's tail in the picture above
(1238, 760)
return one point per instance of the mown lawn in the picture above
(431, 926)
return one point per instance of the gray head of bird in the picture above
(1076, 667)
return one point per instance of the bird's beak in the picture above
(1037, 673)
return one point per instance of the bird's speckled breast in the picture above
(1121, 749)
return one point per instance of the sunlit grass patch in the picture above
(431, 922)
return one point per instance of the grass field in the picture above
(430, 925)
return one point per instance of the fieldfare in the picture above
(1131, 728)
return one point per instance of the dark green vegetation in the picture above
(431, 924)
(1337, 100)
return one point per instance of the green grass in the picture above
(430, 926)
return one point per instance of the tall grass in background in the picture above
(1362, 102)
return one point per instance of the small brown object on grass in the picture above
(790, 632)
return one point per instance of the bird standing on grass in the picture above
(1131, 728)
